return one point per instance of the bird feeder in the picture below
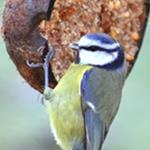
(25, 25)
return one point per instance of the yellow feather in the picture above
(64, 108)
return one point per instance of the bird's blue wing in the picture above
(94, 127)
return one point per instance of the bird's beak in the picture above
(74, 46)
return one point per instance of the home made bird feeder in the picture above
(24, 24)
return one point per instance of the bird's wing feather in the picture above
(99, 104)
(94, 130)
(94, 127)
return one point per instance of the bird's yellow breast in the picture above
(64, 108)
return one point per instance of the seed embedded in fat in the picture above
(135, 36)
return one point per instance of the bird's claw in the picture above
(33, 65)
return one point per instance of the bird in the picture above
(83, 105)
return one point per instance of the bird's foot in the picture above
(47, 94)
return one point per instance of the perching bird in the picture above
(83, 105)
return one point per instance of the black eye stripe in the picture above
(97, 48)
(90, 48)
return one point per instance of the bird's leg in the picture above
(47, 59)
(48, 53)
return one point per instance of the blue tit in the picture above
(83, 105)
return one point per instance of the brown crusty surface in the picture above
(124, 20)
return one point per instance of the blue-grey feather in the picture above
(94, 128)
(102, 37)
(85, 86)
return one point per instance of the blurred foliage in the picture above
(24, 123)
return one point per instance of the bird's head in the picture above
(99, 49)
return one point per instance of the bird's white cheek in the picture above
(97, 58)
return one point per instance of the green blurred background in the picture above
(24, 122)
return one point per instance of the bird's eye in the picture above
(90, 48)
(93, 48)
